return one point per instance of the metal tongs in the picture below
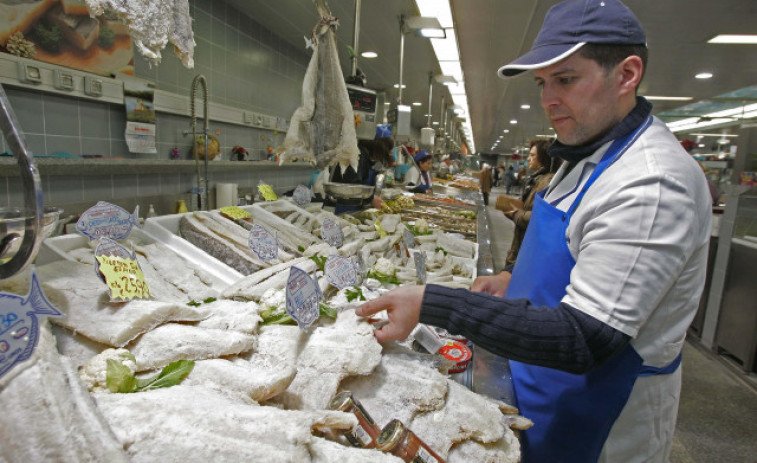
(31, 185)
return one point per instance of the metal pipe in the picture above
(202, 189)
(32, 186)
(356, 37)
(430, 92)
(402, 56)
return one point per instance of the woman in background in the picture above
(418, 175)
(543, 168)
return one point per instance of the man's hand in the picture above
(377, 202)
(496, 285)
(511, 213)
(403, 307)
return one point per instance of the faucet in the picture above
(202, 182)
(32, 187)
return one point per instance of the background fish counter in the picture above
(260, 388)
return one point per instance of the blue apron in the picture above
(572, 414)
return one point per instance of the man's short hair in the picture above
(608, 55)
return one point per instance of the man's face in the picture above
(581, 101)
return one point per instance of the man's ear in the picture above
(629, 73)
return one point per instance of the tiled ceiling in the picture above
(492, 32)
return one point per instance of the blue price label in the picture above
(340, 271)
(263, 243)
(302, 298)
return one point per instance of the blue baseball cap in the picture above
(420, 156)
(571, 24)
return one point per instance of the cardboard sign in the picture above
(108, 247)
(124, 278)
(19, 324)
(302, 297)
(267, 192)
(109, 220)
(332, 233)
(263, 243)
(340, 271)
(234, 212)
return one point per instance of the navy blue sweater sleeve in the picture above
(562, 337)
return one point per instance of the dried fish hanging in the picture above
(322, 129)
(152, 24)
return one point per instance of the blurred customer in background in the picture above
(543, 168)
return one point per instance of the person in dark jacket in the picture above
(543, 167)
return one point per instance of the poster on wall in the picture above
(62, 32)
(140, 117)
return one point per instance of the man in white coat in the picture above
(608, 279)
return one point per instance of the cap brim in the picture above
(538, 58)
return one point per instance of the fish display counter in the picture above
(191, 371)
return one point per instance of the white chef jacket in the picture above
(640, 239)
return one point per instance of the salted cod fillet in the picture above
(322, 129)
(472, 417)
(173, 341)
(48, 415)
(74, 289)
(152, 24)
(325, 451)
(505, 450)
(400, 387)
(331, 353)
(194, 424)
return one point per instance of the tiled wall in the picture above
(245, 65)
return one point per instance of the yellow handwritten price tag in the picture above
(124, 278)
(267, 192)
(235, 212)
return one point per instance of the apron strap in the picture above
(666, 370)
(613, 153)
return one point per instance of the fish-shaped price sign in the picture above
(302, 195)
(302, 297)
(332, 233)
(19, 324)
(420, 265)
(263, 242)
(109, 220)
(108, 247)
(340, 271)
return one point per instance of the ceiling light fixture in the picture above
(416, 103)
(525, 106)
(506, 131)
(668, 98)
(369, 54)
(703, 75)
(513, 121)
(734, 39)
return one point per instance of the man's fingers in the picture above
(369, 308)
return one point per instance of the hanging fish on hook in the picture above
(322, 129)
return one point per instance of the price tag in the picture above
(19, 325)
(408, 238)
(108, 247)
(124, 278)
(302, 195)
(302, 298)
(404, 254)
(263, 243)
(420, 266)
(106, 219)
(234, 212)
(340, 271)
(332, 233)
(267, 192)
